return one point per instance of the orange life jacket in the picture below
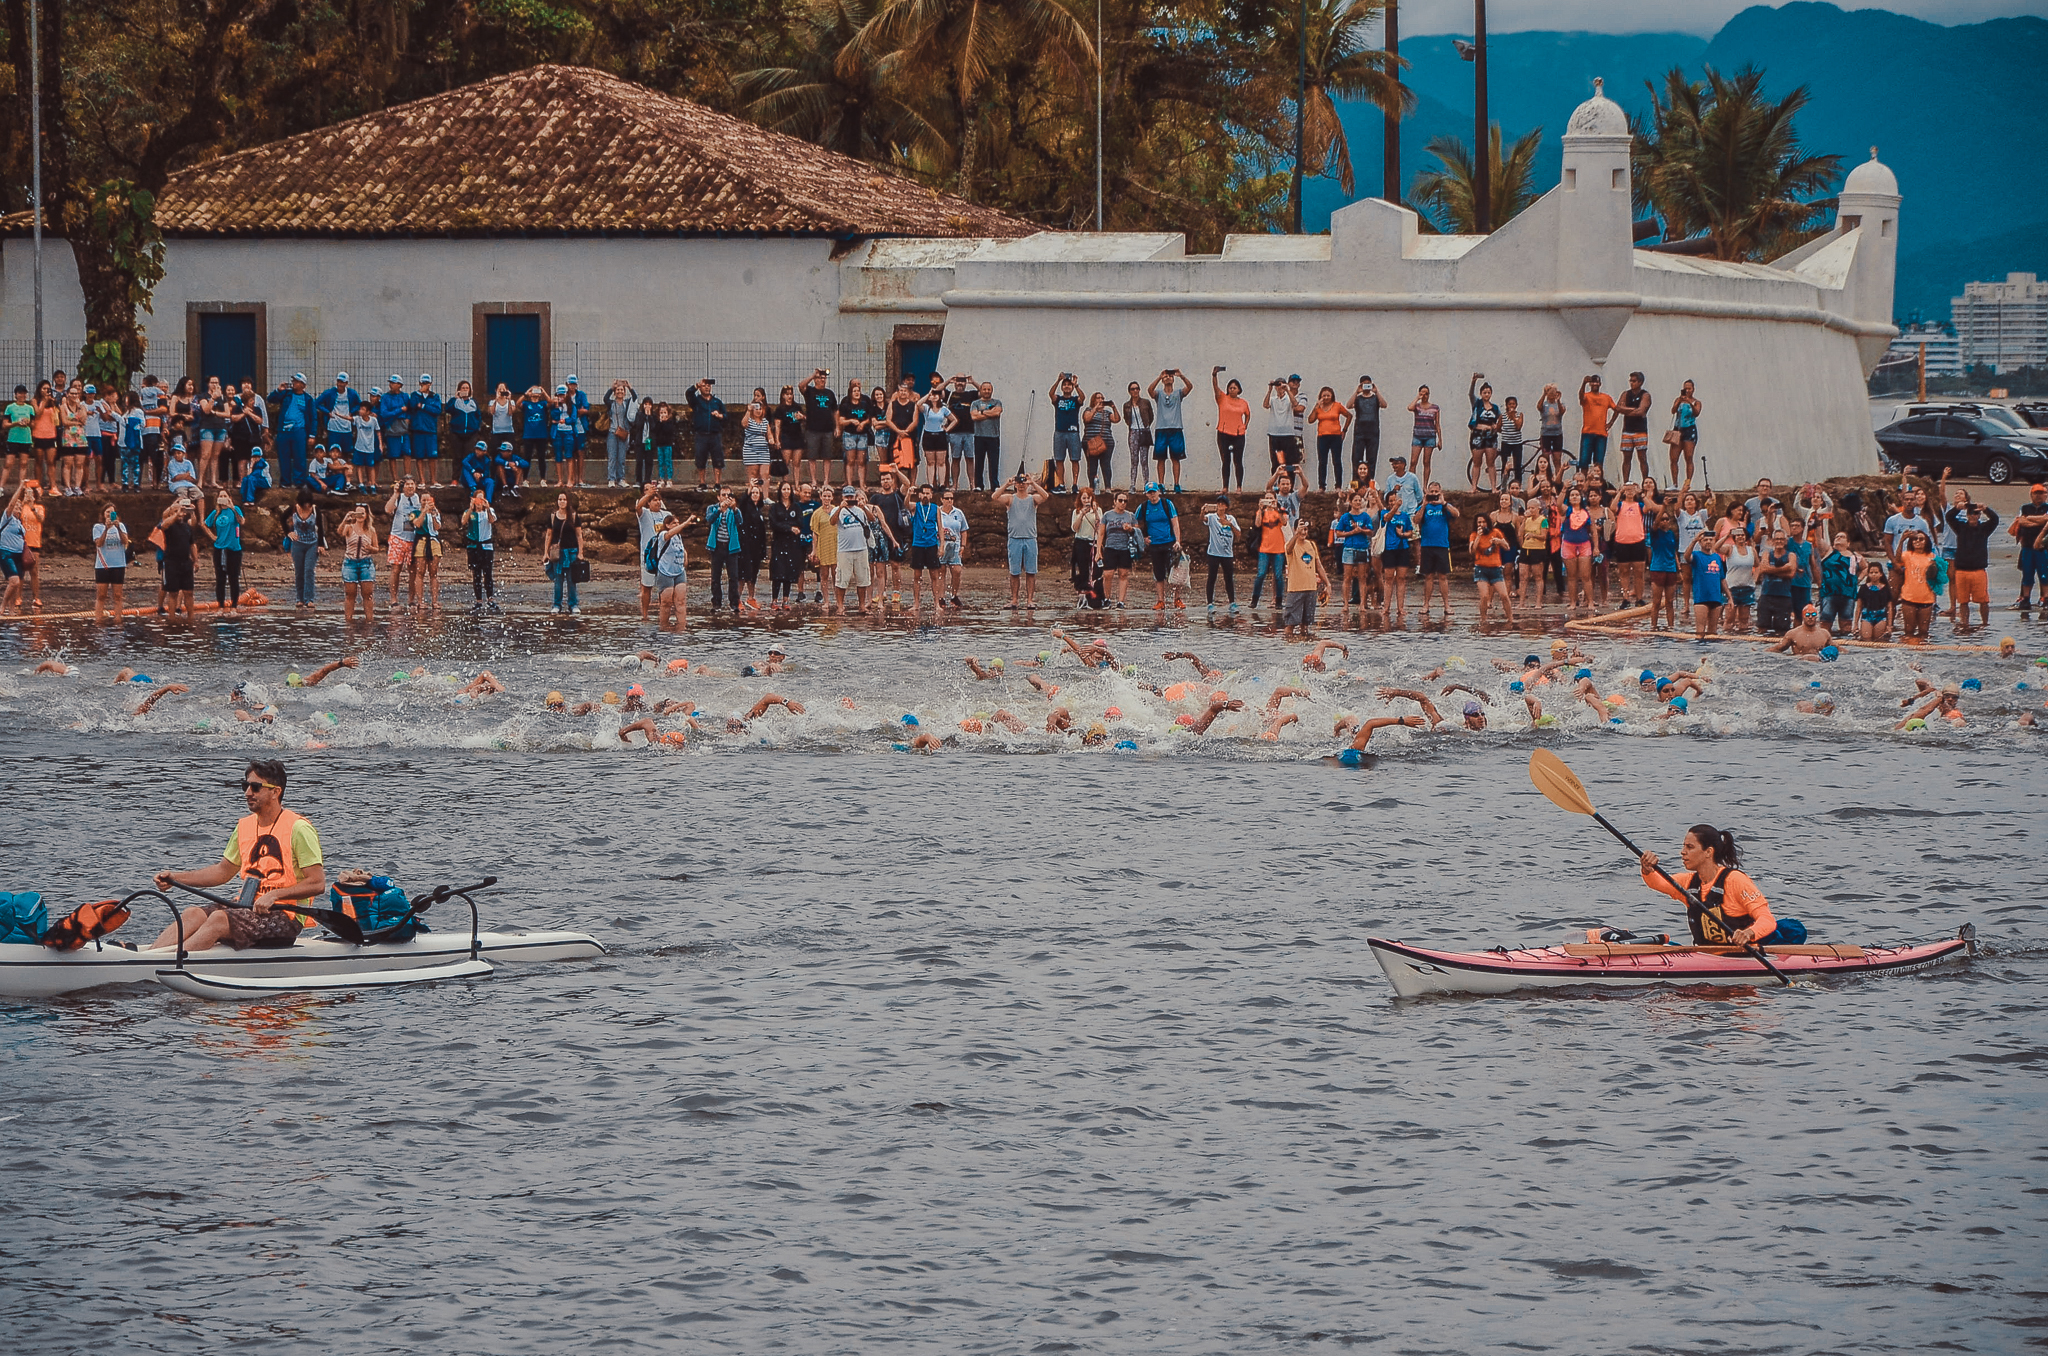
(84, 923)
(268, 855)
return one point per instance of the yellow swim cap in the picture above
(611, 699)
(557, 699)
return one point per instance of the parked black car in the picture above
(1965, 446)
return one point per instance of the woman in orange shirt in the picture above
(1331, 420)
(1271, 524)
(1233, 413)
(1711, 859)
(1487, 569)
(43, 432)
(1916, 590)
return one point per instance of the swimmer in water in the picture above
(56, 666)
(1194, 659)
(983, 674)
(1474, 716)
(1094, 654)
(1059, 721)
(1820, 704)
(1582, 688)
(1282, 693)
(1277, 723)
(1807, 639)
(1682, 684)
(1218, 704)
(1354, 753)
(1009, 722)
(1944, 706)
(1537, 720)
(1045, 689)
(925, 742)
(1314, 658)
(167, 690)
(776, 662)
(760, 708)
(485, 684)
(327, 670)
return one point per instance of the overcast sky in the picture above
(1663, 16)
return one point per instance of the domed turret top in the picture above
(1872, 177)
(1599, 116)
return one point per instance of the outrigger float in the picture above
(332, 962)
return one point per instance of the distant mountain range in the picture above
(1956, 112)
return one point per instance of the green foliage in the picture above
(1718, 159)
(1445, 194)
(124, 218)
(103, 364)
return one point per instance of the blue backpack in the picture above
(22, 917)
(380, 909)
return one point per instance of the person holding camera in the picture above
(1366, 404)
(1284, 412)
(1067, 401)
(1484, 430)
(1020, 498)
(1428, 426)
(1433, 528)
(1973, 523)
(1169, 424)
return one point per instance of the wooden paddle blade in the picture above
(1558, 782)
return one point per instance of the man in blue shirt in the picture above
(924, 547)
(707, 430)
(394, 422)
(338, 405)
(1066, 400)
(297, 416)
(1159, 521)
(1406, 481)
(1433, 529)
(424, 408)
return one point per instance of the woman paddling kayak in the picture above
(1711, 859)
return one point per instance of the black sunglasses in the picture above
(257, 786)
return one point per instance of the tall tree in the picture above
(969, 40)
(1446, 192)
(1721, 160)
(841, 97)
(1343, 62)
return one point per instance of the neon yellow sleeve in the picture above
(305, 845)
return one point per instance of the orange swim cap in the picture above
(678, 665)
(1176, 692)
(971, 725)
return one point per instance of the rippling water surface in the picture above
(1028, 1047)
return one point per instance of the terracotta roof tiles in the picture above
(557, 150)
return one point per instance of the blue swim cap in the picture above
(746, 671)
(1614, 720)
(1515, 686)
(1351, 757)
(1583, 673)
(1646, 675)
(1830, 653)
(901, 748)
(142, 678)
(909, 719)
(1973, 684)
(1680, 704)
(1814, 683)
(1530, 661)
(1127, 744)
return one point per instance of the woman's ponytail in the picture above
(1720, 842)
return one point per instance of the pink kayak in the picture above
(1415, 971)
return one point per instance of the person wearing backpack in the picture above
(1159, 522)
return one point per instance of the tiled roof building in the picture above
(557, 151)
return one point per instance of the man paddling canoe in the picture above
(276, 846)
(1710, 874)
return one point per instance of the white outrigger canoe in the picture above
(312, 963)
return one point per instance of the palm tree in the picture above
(969, 40)
(1342, 62)
(1720, 160)
(842, 102)
(1446, 192)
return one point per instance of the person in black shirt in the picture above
(820, 430)
(790, 429)
(856, 416)
(2030, 529)
(1973, 524)
(181, 555)
(960, 431)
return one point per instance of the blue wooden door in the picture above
(227, 349)
(511, 353)
(920, 358)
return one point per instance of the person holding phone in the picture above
(1366, 404)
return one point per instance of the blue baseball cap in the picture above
(92, 390)
(395, 379)
(482, 446)
(341, 376)
(502, 447)
(561, 390)
(426, 378)
(572, 378)
(301, 376)
(1152, 487)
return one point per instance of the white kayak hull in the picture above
(28, 971)
(206, 984)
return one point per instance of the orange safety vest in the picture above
(268, 855)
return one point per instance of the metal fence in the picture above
(661, 370)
